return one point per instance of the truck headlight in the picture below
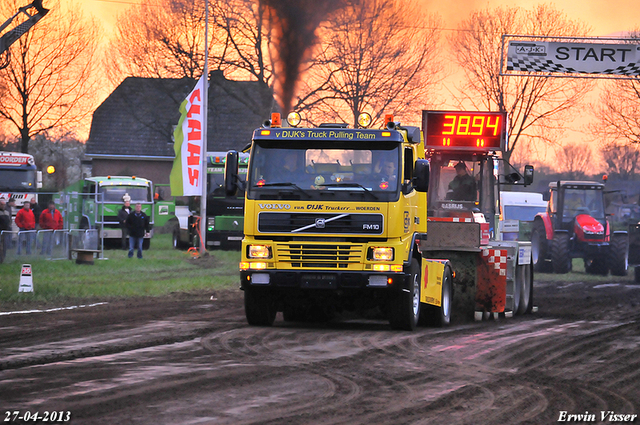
(380, 253)
(259, 251)
(211, 223)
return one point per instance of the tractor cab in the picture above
(576, 205)
(461, 186)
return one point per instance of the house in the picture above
(132, 130)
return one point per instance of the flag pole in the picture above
(203, 157)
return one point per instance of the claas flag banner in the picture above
(188, 144)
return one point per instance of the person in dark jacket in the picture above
(122, 219)
(5, 225)
(138, 225)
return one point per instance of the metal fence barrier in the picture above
(47, 244)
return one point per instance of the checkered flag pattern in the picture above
(497, 257)
(536, 64)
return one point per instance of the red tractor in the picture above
(575, 226)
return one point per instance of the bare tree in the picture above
(575, 160)
(622, 159)
(158, 39)
(377, 56)
(617, 115)
(165, 39)
(536, 106)
(48, 80)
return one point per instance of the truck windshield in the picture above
(115, 193)
(522, 212)
(215, 182)
(22, 180)
(325, 170)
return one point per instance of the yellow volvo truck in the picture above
(333, 221)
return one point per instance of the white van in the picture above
(517, 211)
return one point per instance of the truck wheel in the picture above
(526, 292)
(636, 271)
(618, 255)
(404, 308)
(175, 239)
(539, 248)
(560, 258)
(441, 315)
(518, 285)
(259, 307)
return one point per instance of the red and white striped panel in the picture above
(497, 257)
(452, 219)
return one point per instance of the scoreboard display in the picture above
(472, 131)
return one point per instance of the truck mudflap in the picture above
(491, 290)
(432, 275)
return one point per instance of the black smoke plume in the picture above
(293, 24)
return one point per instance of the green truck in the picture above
(93, 203)
(225, 221)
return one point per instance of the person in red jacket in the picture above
(50, 220)
(26, 222)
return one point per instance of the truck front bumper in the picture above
(316, 279)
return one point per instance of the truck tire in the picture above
(441, 315)
(539, 248)
(259, 307)
(175, 239)
(636, 272)
(618, 255)
(404, 308)
(526, 292)
(560, 258)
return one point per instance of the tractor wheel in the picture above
(539, 248)
(259, 307)
(404, 308)
(618, 256)
(560, 258)
(595, 266)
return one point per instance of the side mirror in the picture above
(231, 173)
(421, 175)
(528, 175)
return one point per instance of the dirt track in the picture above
(193, 360)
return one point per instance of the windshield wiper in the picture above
(283, 184)
(369, 191)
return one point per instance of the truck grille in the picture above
(309, 255)
(319, 223)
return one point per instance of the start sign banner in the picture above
(525, 56)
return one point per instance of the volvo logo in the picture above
(320, 223)
(275, 206)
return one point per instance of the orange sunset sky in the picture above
(606, 17)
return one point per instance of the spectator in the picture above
(463, 186)
(50, 219)
(11, 204)
(122, 219)
(26, 222)
(35, 208)
(138, 225)
(5, 225)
